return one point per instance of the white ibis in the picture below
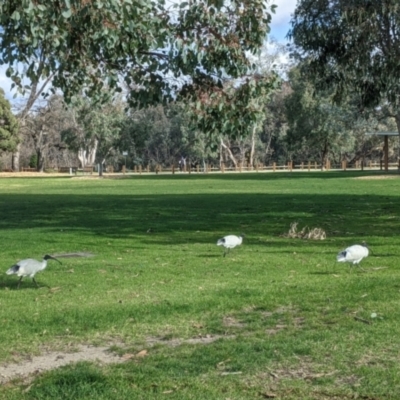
(230, 241)
(354, 254)
(29, 267)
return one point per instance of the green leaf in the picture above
(67, 13)
(16, 16)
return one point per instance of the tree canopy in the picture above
(353, 44)
(154, 50)
(8, 125)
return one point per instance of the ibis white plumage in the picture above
(353, 254)
(29, 267)
(230, 241)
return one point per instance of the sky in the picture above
(281, 19)
(280, 26)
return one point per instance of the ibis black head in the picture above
(47, 257)
(242, 235)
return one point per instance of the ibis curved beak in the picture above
(53, 258)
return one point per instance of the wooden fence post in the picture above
(198, 168)
(240, 167)
(140, 169)
(123, 169)
(223, 167)
(309, 166)
(344, 165)
(274, 166)
(173, 169)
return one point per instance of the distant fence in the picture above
(208, 168)
(259, 167)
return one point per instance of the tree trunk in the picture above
(40, 161)
(15, 159)
(324, 155)
(88, 156)
(82, 157)
(397, 118)
(231, 156)
(253, 146)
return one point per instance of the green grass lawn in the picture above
(290, 322)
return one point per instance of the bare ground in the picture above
(48, 361)
(35, 365)
(378, 177)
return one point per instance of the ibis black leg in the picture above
(35, 282)
(19, 282)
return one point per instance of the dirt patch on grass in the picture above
(207, 339)
(96, 176)
(305, 369)
(29, 174)
(28, 368)
(59, 175)
(378, 177)
(48, 361)
(232, 322)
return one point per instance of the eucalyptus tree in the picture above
(41, 130)
(94, 130)
(159, 50)
(275, 126)
(315, 125)
(353, 45)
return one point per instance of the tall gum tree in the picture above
(353, 45)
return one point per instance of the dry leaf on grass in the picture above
(142, 353)
(268, 395)
(127, 356)
(305, 233)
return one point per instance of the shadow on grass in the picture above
(163, 217)
(296, 174)
(200, 218)
(8, 283)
